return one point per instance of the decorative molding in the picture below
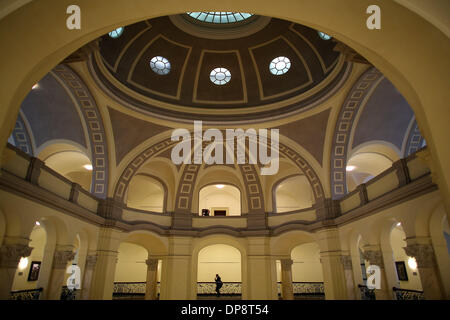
(286, 264)
(61, 258)
(152, 264)
(424, 254)
(346, 261)
(21, 136)
(355, 99)
(94, 123)
(414, 140)
(10, 254)
(91, 261)
(374, 256)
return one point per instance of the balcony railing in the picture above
(366, 293)
(32, 294)
(406, 294)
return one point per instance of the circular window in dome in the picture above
(220, 17)
(116, 33)
(324, 36)
(220, 76)
(160, 65)
(279, 65)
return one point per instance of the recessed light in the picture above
(35, 86)
(350, 168)
(399, 224)
(38, 223)
(219, 186)
(88, 167)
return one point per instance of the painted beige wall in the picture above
(227, 197)
(222, 259)
(145, 193)
(293, 194)
(38, 240)
(306, 266)
(131, 265)
(397, 244)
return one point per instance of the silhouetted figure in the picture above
(219, 284)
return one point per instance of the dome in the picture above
(187, 85)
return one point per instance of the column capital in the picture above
(373, 255)
(346, 261)
(91, 260)
(286, 264)
(424, 254)
(152, 264)
(10, 254)
(61, 258)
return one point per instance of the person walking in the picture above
(219, 284)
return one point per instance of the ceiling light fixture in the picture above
(350, 168)
(38, 223)
(35, 86)
(399, 224)
(219, 186)
(88, 167)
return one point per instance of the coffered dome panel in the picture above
(122, 67)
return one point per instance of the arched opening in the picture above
(292, 194)
(130, 278)
(307, 274)
(69, 162)
(407, 273)
(362, 167)
(225, 261)
(220, 200)
(146, 193)
(27, 277)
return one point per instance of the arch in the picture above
(439, 225)
(131, 265)
(228, 198)
(389, 57)
(296, 183)
(200, 243)
(282, 245)
(69, 162)
(356, 98)
(189, 174)
(306, 266)
(22, 135)
(147, 186)
(94, 124)
(219, 174)
(413, 140)
(363, 166)
(155, 244)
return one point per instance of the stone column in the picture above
(62, 256)
(287, 290)
(372, 253)
(333, 271)
(346, 261)
(9, 259)
(91, 261)
(150, 287)
(427, 268)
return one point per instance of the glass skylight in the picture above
(279, 65)
(220, 17)
(116, 33)
(220, 76)
(160, 65)
(324, 36)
